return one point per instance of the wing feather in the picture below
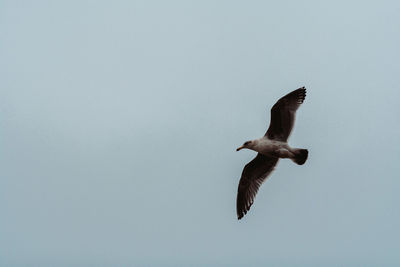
(253, 175)
(283, 115)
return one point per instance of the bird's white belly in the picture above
(272, 148)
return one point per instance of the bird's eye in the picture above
(246, 143)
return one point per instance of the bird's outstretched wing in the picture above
(283, 115)
(253, 175)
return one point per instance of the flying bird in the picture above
(271, 147)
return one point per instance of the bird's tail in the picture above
(300, 155)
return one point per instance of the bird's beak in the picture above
(241, 147)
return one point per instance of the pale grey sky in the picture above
(119, 122)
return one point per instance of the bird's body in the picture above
(271, 147)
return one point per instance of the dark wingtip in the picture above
(301, 93)
(303, 89)
(241, 214)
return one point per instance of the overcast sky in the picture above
(119, 122)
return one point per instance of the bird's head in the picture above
(247, 144)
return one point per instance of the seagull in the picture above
(271, 147)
